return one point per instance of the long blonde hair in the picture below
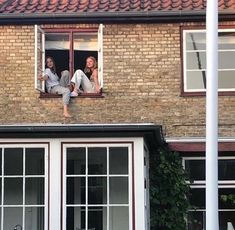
(88, 70)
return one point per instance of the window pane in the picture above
(226, 79)
(57, 45)
(76, 190)
(226, 219)
(75, 218)
(34, 218)
(119, 218)
(34, 161)
(226, 169)
(57, 41)
(85, 41)
(196, 220)
(118, 190)
(196, 80)
(196, 41)
(197, 197)
(97, 161)
(226, 40)
(97, 190)
(13, 191)
(118, 160)
(195, 169)
(13, 161)
(196, 60)
(84, 45)
(34, 191)
(226, 59)
(227, 198)
(12, 217)
(76, 161)
(97, 218)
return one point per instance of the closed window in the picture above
(97, 186)
(195, 166)
(69, 48)
(194, 60)
(23, 187)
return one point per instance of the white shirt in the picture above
(52, 80)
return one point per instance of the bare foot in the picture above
(67, 115)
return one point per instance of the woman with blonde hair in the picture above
(80, 79)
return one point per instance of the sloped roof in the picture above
(107, 8)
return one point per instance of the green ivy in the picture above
(168, 191)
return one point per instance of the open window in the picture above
(69, 48)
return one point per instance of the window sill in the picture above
(82, 95)
(199, 94)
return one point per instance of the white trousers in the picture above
(80, 79)
(62, 88)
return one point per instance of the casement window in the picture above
(69, 48)
(194, 61)
(195, 166)
(23, 180)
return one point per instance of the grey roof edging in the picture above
(151, 132)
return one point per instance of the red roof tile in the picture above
(102, 6)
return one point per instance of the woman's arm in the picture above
(95, 77)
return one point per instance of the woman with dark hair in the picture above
(80, 78)
(57, 85)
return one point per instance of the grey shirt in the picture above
(52, 80)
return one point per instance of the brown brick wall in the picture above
(142, 77)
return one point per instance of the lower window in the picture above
(195, 166)
(97, 187)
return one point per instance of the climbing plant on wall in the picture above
(168, 191)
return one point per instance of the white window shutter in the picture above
(100, 55)
(39, 57)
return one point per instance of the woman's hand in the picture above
(43, 78)
(97, 89)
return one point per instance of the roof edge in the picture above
(151, 132)
(102, 17)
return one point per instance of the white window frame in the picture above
(130, 189)
(39, 52)
(202, 183)
(40, 48)
(100, 55)
(185, 88)
(45, 205)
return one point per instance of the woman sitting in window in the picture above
(57, 85)
(80, 78)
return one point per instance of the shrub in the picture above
(168, 191)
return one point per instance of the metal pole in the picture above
(212, 220)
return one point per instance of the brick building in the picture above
(151, 57)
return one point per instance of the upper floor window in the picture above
(69, 48)
(194, 60)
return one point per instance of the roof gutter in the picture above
(109, 17)
(112, 17)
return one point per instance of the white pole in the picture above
(212, 220)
